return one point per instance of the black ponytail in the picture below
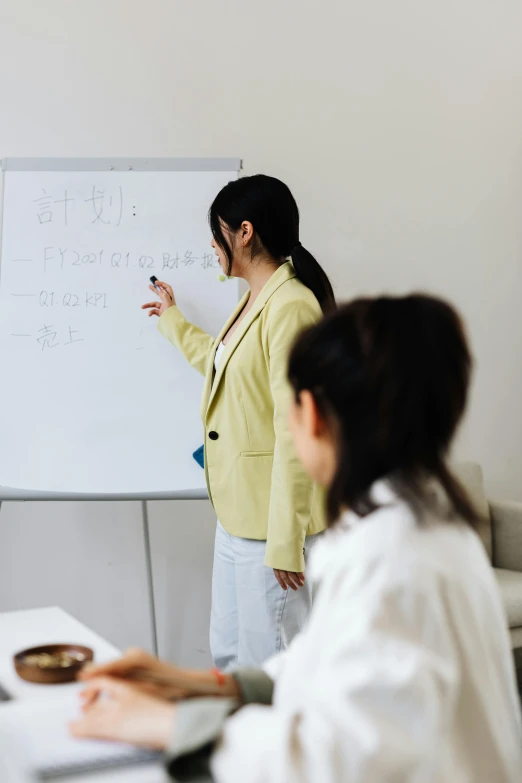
(268, 204)
(311, 273)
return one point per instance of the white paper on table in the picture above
(38, 736)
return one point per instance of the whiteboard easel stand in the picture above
(21, 496)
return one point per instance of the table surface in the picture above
(33, 627)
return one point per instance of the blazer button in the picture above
(213, 435)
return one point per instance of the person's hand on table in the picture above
(289, 579)
(165, 293)
(145, 672)
(162, 680)
(118, 711)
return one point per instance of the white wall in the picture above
(397, 124)
(87, 558)
(182, 539)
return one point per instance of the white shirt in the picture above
(219, 352)
(403, 675)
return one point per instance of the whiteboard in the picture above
(93, 399)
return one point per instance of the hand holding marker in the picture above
(166, 295)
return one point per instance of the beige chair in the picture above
(501, 534)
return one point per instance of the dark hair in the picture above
(268, 204)
(391, 375)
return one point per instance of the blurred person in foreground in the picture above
(404, 671)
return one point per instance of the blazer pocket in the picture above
(250, 454)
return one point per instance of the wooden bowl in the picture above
(50, 675)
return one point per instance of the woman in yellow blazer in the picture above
(268, 519)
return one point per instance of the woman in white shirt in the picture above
(404, 672)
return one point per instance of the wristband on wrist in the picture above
(220, 677)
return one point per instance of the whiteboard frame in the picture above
(122, 164)
(20, 495)
(108, 164)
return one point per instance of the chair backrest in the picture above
(470, 476)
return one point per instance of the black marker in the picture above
(154, 281)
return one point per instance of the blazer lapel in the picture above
(209, 378)
(284, 273)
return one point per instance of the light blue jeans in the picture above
(252, 617)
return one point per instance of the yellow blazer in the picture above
(255, 482)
